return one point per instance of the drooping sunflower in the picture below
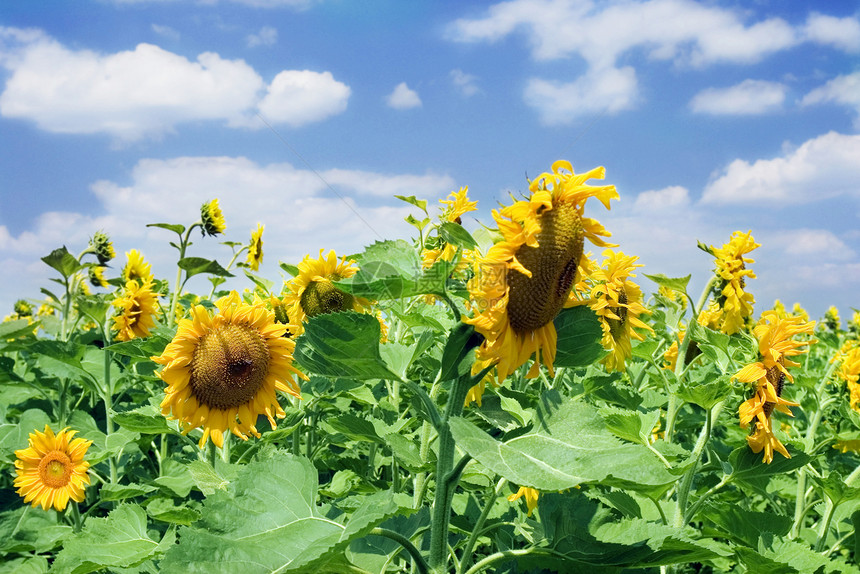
(531, 495)
(733, 300)
(526, 278)
(136, 268)
(137, 307)
(96, 276)
(776, 345)
(618, 303)
(212, 220)
(849, 371)
(458, 205)
(52, 470)
(103, 248)
(224, 371)
(255, 248)
(313, 293)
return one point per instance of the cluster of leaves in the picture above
(380, 466)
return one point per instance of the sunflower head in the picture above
(212, 219)
(136, 268)
(255, 248)
(731, 268)
(137, 307)
(526, 278)
(831, 319)
(96, 276)
(22, 308)
(223, 371)
(102, 247)
(458, 204)
(52, 470)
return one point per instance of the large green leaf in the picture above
(267, 520)
(118, 541)
(16, 436)
(342, 345)
(570, 445)
(579, 333)
(27, 529)
(745, 526)
(196, 265)
(63, 261)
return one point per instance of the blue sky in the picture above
(709, 117)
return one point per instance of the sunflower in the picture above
(223, 371)
(831, 319)
(136, 268)
(769, 374)
(531, 496)
(138, 306)
(526, 278)
(52, 469)
(731, 267)
(618, 303)
(101, 245)
(458, 204)
(255, 248)
(313, 293)
(96, 276)
(211, 218)
(849, 371)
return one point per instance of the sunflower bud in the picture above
(23, 309)
(102, 247)
(212, 218)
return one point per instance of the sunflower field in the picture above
(505, 400)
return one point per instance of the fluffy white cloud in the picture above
(815, 242)
(403, 98)
(611, 90)
(267, 36)
(465, 83)
(148, 91)
(821, 168)
(668, 198)
(302, 214)
(750, 97)
(841, 90)
(843, 33)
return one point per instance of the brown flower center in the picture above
(229, 366)
(616, 326)
(777, 378)
(55, 468)
(321, 297)
(535, 301)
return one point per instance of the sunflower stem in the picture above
(108, 399)
(687, 481)
(479, 525)
(77, 522)
(183, 245)
(417, 558)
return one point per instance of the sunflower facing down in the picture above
(731, 267)
(223, 372)
(211, 218)
(769, 374)
(526, 278)
(52, 470)
(255, 248)
(138, 306)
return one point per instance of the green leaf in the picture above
(456, 234)
(16, 436)
(196, 265)
(705, 390)
(163, 510)
(112, 492)
(175, 478)
(210, 480)
(570, 447)
(781, 556)
(268, 520)
(175, 227)
(835, 488)
(292, 270)
(118, 541)
(342, 344)
(27, 529)
(151, 346)
(355, 427)
(633, 426)
(457, 356)
(37, 565)
(746, 526)
(15, 329)
(412, 200)
(749, 466)
(579, 334)
(63, 261)
(674, 283)
(387, 270)
(146, 419)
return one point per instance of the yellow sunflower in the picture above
(849, 371)
(531, 496)
(52, 469)
(618, 303)
(96, 275)
(731, 267)
(526, 278)
(457, 206)
(255, 248)
(313, 293)
(212, 220)
(223, 371)
(138, 306)
(831, 319)
(136, 268)
(776, 345)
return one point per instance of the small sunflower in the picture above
(618, 303)
(526, 278)
(731, 267)
(138, 305)
(212, 220)
(531, 496)
(255, 248)
(52, 469)
(96, 276)
(831, 319)
(103, 248)
(457, 206)
(136, 268)
(313, 293)
(849, 371)
(776, 345)
(223, 371)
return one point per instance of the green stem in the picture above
(108, 400)
(76, 516)
(508, 554)
(417, 559)
(687, 480)
(479, 525)
(830, 508)
(229, 265)
(183, 245)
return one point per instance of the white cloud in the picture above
(672, 197)
(821, 168)
(166, 31)
(295, 4)
(403, 98)
(267, 36)
(750, 97)
(841, 90)
(610, 91)
(465, 83)
(148, 91)
(299, 97)
(842, 33)
(815, 242)
(300, 212)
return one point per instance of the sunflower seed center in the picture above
(55, 468)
